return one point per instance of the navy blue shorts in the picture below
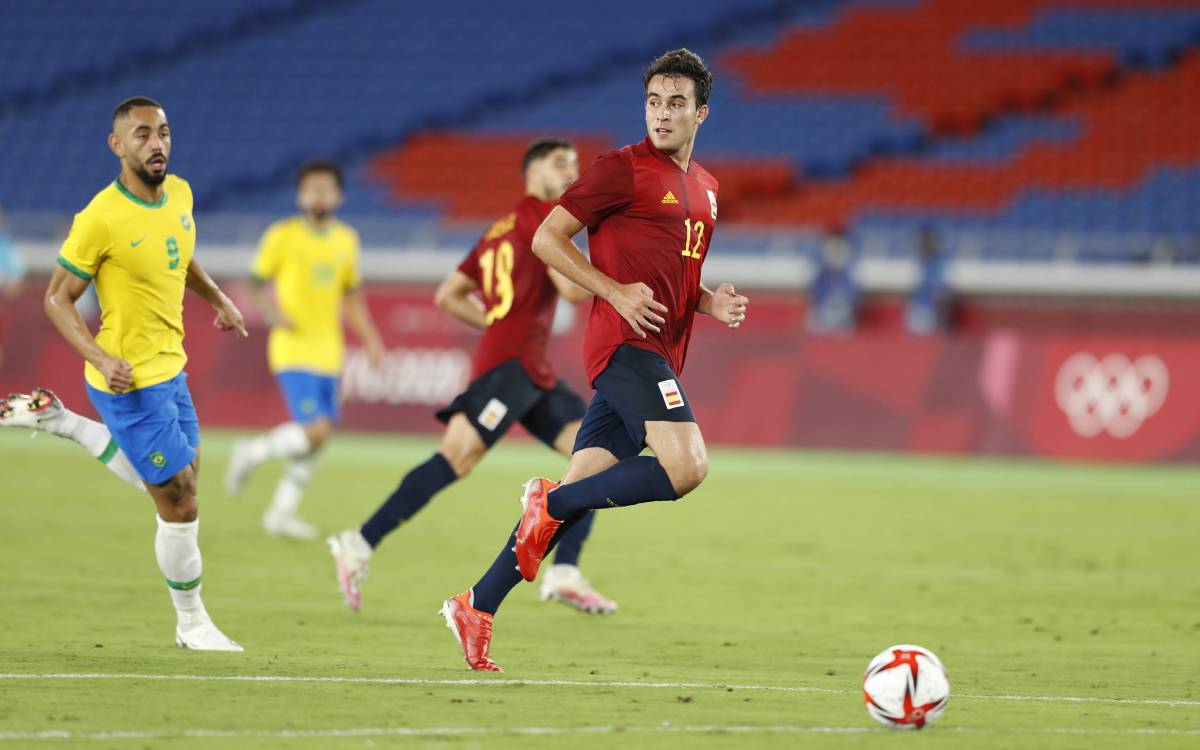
(636, 387)
(156, 427)
(309, 396)
(504, 395)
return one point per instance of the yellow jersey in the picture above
(312, 271)
(137, 254)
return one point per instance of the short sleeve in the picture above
(352, 273)
(470, 265)
(86, 246)
(266, 261)
(604, 188)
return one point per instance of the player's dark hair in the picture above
(682, 62)
(328, 166)
(541, 148)
(134, 101)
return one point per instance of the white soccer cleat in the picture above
(38, 410)
(351, 555)
(240, 467)
(566, 584)
(290, 526)
(200, 634)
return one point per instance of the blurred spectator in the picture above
(834, 294)
(930, 305)
(11, 272)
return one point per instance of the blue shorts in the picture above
(636, 387)
(156, 427)
(309, 396)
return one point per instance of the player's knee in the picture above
(687, 475)
(462, 460)
(318, 432)
(176, 498)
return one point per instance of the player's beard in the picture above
(319, 215)
(153, 180)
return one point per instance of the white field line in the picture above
(468, 682)
(664, 728)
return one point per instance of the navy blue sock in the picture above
(416, 489)
(571, 544)
(640, 479)
(503, 576)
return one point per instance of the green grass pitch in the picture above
(1064, 600)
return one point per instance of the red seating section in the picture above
(1148, 119)
(479, 176)
(911, 55)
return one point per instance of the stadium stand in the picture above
(991, 116)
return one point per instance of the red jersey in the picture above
(518, 295)
(647, 221)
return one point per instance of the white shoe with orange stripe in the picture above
(566, 584)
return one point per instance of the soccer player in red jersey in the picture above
(512, 377)
(650, 211)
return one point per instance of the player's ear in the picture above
(701, 114)
(115, 145)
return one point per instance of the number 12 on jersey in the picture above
(496, 265)
(692, 249)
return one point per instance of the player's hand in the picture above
(375, 352)
(728, 306)
(636, 304)
(229, 318)
(118, 373)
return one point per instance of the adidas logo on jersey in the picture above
(670, 198)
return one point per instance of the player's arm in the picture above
(567, 289)
(59, 303)
(358, 316)
(266, 306)
(229, 318)
(456, 297)
(635, 302)
(724, 304)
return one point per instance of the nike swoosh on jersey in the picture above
(135, 243)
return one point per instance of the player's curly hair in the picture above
(682, 62)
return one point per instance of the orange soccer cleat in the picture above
(536, 528)
(473, 629)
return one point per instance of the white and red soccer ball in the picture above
(905, 687)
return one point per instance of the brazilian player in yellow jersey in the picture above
(312, 261)
(135, 242)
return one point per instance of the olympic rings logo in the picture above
(1112, 395)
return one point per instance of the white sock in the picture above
(178, 553)
(288, 440)
(290, 489)
(98, 441)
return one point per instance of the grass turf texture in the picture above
(786, 569)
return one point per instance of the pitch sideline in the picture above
(469, 682)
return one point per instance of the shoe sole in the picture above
(351, 596)
(179, 642)
(448, 616)
(554, 596)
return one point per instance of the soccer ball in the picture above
(905, 687)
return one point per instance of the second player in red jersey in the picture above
(518, 294)
(512, 379)
(649, 209)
